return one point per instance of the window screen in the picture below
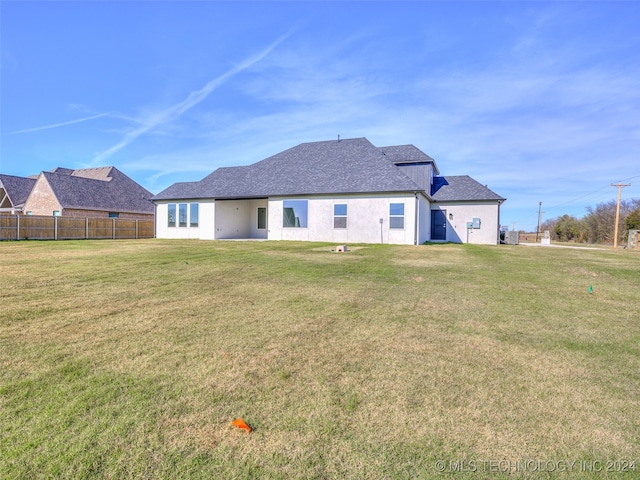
(340, 215)
(396, 215)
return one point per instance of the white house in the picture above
(340, 191)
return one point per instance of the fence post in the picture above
(17, 227)
(136, 228)
(113, 230)
(55, 228)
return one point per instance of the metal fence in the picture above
(32, 227)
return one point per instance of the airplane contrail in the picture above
(61, 124)
(193, 99)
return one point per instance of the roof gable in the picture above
(17, 188)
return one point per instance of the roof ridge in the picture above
(14, 176)
(62, 175)
(98, 173)
(335, 140)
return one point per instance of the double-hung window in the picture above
(340, 215)
(396, 215)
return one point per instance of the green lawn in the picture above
(130, 359)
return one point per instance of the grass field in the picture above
(130, 359)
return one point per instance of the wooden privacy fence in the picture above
(32, 227)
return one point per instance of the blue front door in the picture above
(438, 224)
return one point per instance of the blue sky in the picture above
(538, 100)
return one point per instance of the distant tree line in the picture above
(597, 225)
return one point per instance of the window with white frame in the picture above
(182, 214)
(396, 215)
(340, 215)
(171, 215)
(193, 214)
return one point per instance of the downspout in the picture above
(416, 222)
(498, 232)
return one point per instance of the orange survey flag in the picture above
(240, 423)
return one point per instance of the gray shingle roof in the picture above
(105, 188)
(460, 188)
(407, 154)
(329, 167)
(17, 188)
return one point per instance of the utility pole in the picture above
(539, 219)
(620, 186)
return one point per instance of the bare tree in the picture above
(550, 226)
(600, 221)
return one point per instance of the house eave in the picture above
(292, 195)
(499, 201)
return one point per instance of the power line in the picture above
(578, 198)
(533, 215)
(554, 207)
(630, 178)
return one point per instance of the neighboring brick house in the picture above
(88, 192)
(13, 193)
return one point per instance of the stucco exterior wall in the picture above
(424, 220)
(238, 219)
(253, 206)
(459, 213)
(363, 220)
(232, 219)
(206, 225)
(206, 221)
